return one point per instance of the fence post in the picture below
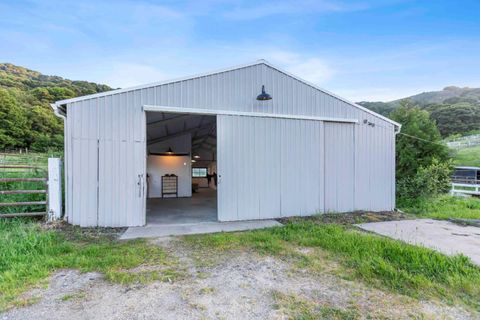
(54, 189)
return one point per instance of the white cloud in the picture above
(379, 93)
(260, 10)
(123, 75)
(312, 69)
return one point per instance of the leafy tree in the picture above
(418, 146)
(411, 152)
(14, 128)
(457, 118)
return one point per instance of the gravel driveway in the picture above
(238, 285)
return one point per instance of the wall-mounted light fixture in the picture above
(365, 121)
(264, 96)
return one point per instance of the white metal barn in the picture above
(304, 151)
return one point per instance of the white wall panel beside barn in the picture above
(304, 151)
(374, 168)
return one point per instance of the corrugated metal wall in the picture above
(119, 118)
(271, 168)
(268, 168)
(339, 167)
(106, 162)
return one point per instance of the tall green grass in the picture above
(29, 254)
(443, 207)
(386, 263)
(467, 156)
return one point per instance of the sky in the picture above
(366, 50)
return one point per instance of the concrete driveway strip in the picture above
(443, 236)
(157, 231)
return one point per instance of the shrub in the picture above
(431, 180)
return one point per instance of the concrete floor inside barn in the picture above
(200, 207)
(192, 215)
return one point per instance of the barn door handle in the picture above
(140, 185)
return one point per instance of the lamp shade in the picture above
(264, 96)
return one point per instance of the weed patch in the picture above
(444, 207)
(402, 268)
(29, 254)
(295, 307)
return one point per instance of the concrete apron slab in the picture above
(156, 231)
(443, 236)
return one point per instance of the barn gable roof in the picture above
(57, 104)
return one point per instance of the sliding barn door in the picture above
(339, 167)
(268, 167)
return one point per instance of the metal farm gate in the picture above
(29, 186)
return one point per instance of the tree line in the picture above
(26, 119)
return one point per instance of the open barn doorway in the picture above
(181, 168)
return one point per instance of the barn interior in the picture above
(181, 168)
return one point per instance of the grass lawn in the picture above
(468, 157)
(29, 254)
(444, 207)
(384, 263)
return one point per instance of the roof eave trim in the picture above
(159, 83)
(57, 111)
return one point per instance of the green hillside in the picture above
(456, 110)
(26, 119)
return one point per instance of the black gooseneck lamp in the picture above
(264, 96)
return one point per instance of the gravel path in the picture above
(239, 285)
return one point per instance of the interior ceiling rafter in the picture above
(180, 133)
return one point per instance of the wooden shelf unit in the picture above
(169, 185)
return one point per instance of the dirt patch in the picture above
(350, 218)
(231, 285)
(76, 233)
(466, 222)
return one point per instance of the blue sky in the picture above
(362, 50)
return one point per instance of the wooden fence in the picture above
(465, 142)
